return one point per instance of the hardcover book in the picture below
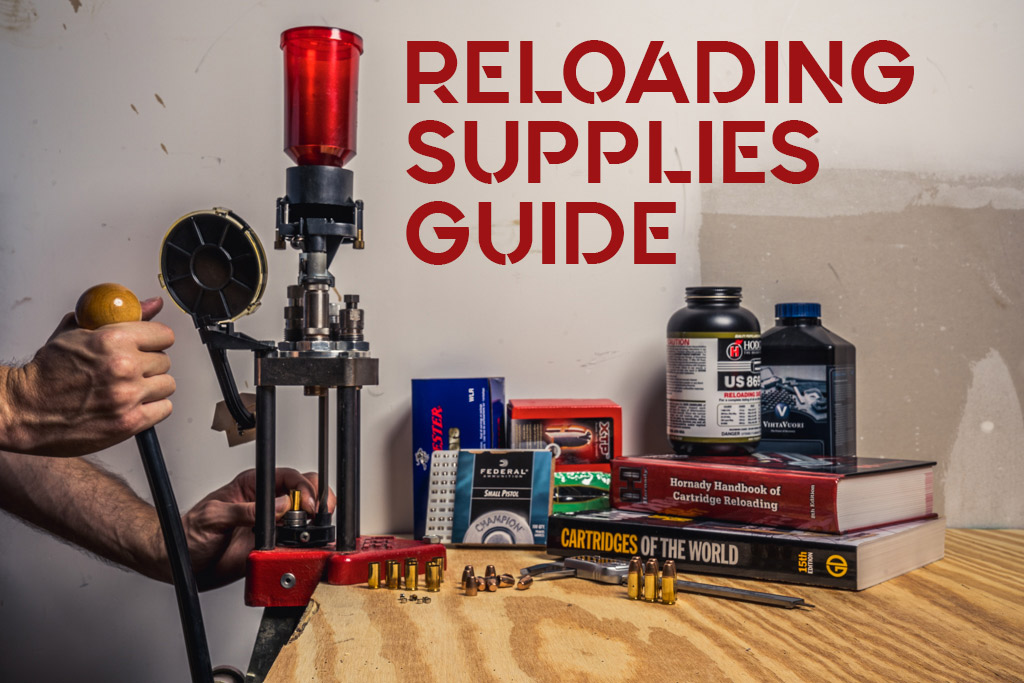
(778, 489)
(853, 561)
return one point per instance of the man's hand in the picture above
(86, 390)
(219, 529)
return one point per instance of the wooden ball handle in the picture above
(105, 304)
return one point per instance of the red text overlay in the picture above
(466, 76)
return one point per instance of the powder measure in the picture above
(213, 266)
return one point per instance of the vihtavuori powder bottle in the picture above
(714, 374)
(808, 379)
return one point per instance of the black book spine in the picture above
(739, 555)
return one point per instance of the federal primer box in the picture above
(502, 497)
(475, 405)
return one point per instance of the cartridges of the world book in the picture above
(853, 561)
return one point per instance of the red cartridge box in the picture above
(588, 432)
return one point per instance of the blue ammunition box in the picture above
(503, 497)
(475, 405)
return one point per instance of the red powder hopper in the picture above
(321, 73)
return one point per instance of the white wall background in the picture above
(118, 117)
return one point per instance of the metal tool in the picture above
(614, 571)
(214, 268)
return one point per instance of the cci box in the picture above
(475, 405)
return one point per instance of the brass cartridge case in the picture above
(411, 574)
(392, 574)
(635, 579)
(373, 575)
(433, 577)
(668, 583)
(651, 580)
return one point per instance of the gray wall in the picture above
(922, 272)
(118, 117)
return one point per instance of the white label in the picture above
(714, 387)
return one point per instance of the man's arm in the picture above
(86, 390)
(80, 502)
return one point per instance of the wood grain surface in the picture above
(959, 619)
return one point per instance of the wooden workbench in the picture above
(959, 619)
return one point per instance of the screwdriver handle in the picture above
(110, 303)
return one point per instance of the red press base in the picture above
(287, 577)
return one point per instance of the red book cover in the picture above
(775, 489)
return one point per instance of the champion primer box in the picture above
(587, 431)
(475, 405)
(502, 497)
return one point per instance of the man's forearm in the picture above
(80, 502)
(8, 436)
